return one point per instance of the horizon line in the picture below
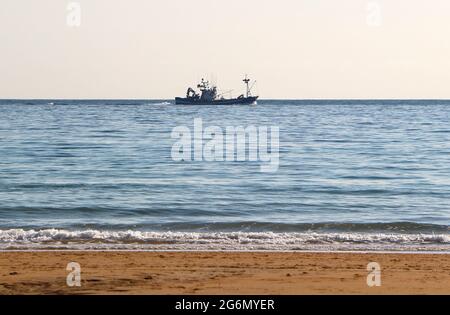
(260, 99)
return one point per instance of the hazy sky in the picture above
(294, 48)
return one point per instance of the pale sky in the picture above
(148, 49)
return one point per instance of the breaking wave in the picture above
(140, 240)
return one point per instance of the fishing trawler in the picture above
(209, 96)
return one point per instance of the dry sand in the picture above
(223, 273)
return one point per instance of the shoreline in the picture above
(142, 240)
(393, 252)
(221, 273)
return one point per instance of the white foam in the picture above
(98, 239)
(160, 103)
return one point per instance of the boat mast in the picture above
(246, 80)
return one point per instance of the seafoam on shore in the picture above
(138, 240)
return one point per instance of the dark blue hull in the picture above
(233, 101)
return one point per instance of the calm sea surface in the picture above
(352, 175)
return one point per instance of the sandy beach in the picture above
(223, 273)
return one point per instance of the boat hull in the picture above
(234, 101)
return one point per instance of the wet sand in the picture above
(223, 273)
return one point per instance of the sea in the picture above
(352, 175)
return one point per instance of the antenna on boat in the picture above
(246, 81)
